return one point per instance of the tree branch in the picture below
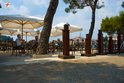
(90, 4)
(95, 3)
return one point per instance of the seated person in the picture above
(52, 46)
(82, 43)
(77, 44)
(35, 43)
(20, 43)
(59, 42)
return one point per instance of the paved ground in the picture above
(97, 69)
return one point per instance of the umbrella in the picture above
(20, 21)
(55, 32)
(57, 29)
(27, 32)
(30, 33)
(7, 31)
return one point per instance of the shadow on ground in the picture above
(62, 72)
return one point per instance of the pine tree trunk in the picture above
(45, 34)
(92, 24)
(93, 8)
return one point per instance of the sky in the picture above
(82, 18)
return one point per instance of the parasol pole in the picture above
(22, 29)
(26, 36)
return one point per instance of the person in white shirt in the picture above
(20, 43)
(18, 40)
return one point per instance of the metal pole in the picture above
(22, 29)
(26, 36)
